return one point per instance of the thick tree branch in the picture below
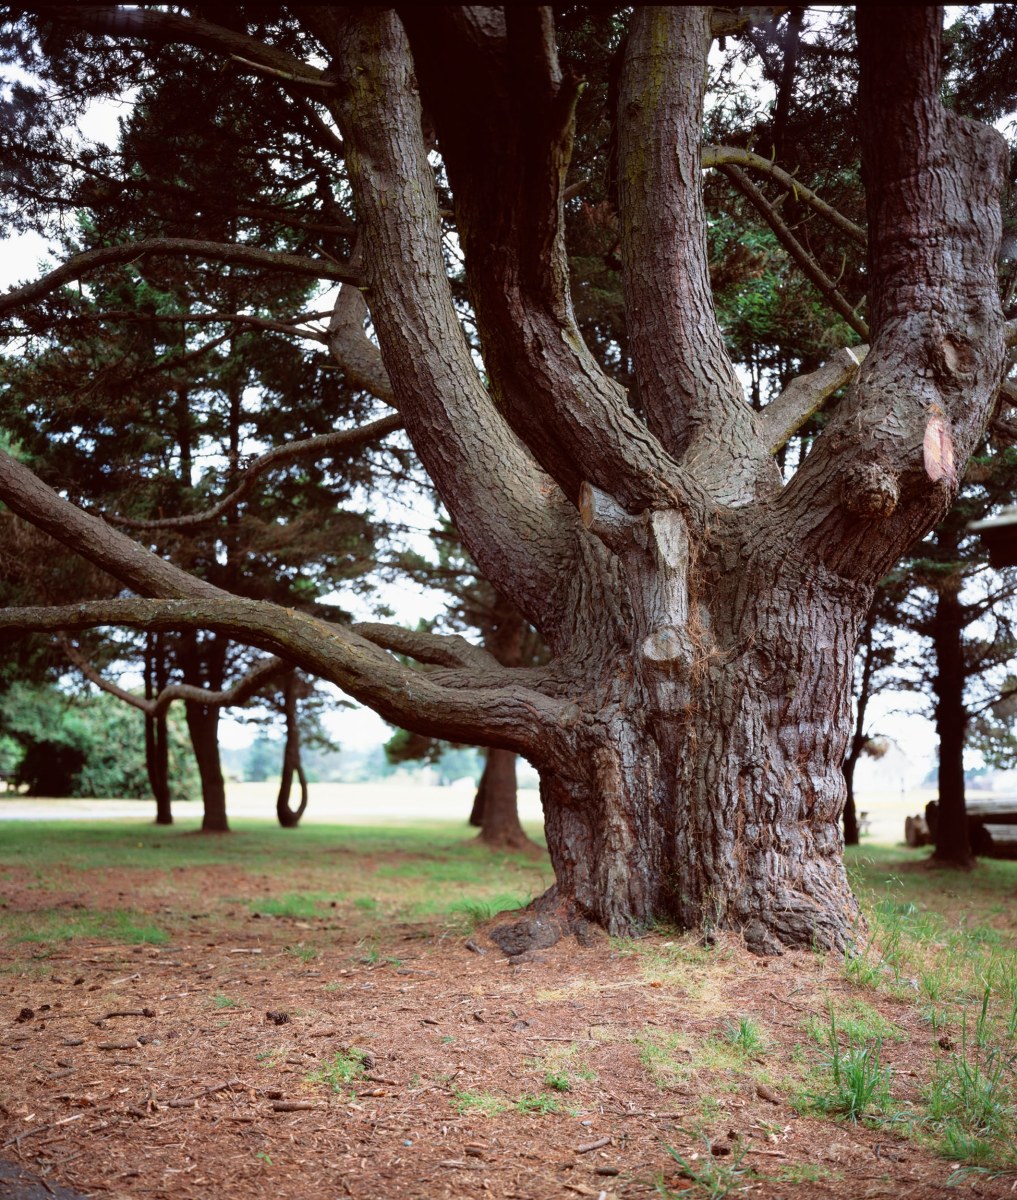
(316, 448)
(243, 690)
(442, 650)
(511, 516)
(888, 464)
(500, 713)
(91, 538)
(721, 156)
(244, 320)
(805, 396)
(79, 265)
(813, 271)
(688, 386)
(506, 145)
(165, 27)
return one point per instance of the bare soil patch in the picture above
(354, 1053)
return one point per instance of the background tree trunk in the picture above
(953, 842)
(203, 726)
(500, 825)
(157, 732)
(289, 818)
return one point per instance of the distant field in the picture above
(385, 801)
(329, 804)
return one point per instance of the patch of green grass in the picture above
(854, 1081)
(343, 1069)
(746, 1037)
(221, 1000)
(474, 911)
(484, 1103)
(366, 904)
(558, 1081)
(858, 1021)
(301, 906)
(666, 1058)
(59, 925)
(304, 953)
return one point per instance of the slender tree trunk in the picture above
(858, 738)
(500, 827)
(289, 818)
(953, 842)
(203, 726)
(851, 835)
(157, 733)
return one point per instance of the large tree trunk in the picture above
(953, 842)
(712, 796)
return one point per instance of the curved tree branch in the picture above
(451, 650)
(511, 516)
(500, 712)
(721, 156)
(79, 265)
(91, 538)
(165, 27)
(816, 275)
(242, 691)
(887, 465)
(319, 447)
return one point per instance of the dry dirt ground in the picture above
(344, 1055)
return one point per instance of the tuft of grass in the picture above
(558, 1081)
(714, 1178)
(221, 1000)
(857, 1083)
(472, 911)
(746, 1037)
(484, 1103)
(343, 1069)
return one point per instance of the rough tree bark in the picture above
(701, 617)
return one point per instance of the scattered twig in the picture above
(228, 1085)
(586, 1147)
(293, 1105)
(17, 1140)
